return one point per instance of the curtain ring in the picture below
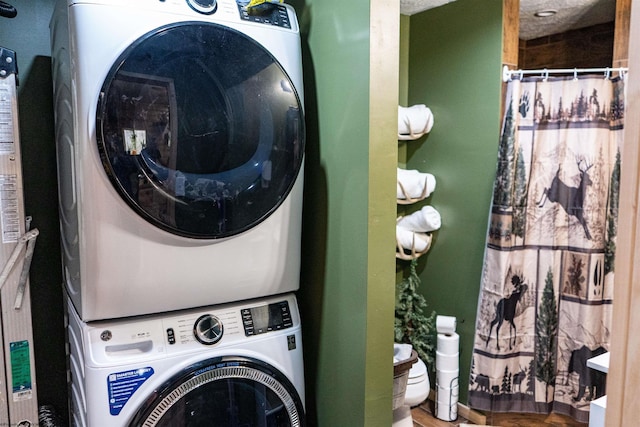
(545, 75)
(575, 74)
(607, 73)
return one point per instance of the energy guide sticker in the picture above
(21, 384)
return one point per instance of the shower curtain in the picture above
(547, 282)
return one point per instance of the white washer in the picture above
(230, 365)
(180, 144)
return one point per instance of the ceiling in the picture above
(570, 14)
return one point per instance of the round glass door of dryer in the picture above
(200, 130)
(224, 392)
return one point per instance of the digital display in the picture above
(266, 317)
(260, 316)
(275, 315)
(272, 317)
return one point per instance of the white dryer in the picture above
(228, 366)
(180, 141)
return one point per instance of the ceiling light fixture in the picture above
(545, 13)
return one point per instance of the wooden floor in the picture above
(423, 417)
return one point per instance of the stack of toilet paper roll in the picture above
(447, 368)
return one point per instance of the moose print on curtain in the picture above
(547, 283)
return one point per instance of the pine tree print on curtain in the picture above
(547, 283)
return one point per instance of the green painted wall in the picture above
(405, 25)
(454, 68)
(347, 289)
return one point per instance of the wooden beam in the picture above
(511, 32)
(510, 40)
(623, 400)
(621, 38)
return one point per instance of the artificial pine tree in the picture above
(412, 326)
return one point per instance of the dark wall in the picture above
(28, 35)
(584, 48)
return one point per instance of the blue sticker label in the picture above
(122, 385)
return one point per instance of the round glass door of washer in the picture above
(200, 130)
(224, 392)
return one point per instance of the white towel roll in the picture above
(414, 184)
(410, 240)
(425, 220)
(417, 119)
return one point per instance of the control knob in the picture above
(206, 7)
(208, 329)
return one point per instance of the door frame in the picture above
(623, 400)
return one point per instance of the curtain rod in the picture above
(507, 74)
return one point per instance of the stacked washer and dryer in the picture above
(180, 145)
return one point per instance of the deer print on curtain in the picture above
(547, 282)
(570, 198)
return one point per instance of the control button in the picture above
(171, 336)
(247, 322)
(287, 322)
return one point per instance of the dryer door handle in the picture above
(129, 348)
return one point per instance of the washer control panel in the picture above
(272, 14)
(148, 338)
(266, 318)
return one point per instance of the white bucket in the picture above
(417, 384)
